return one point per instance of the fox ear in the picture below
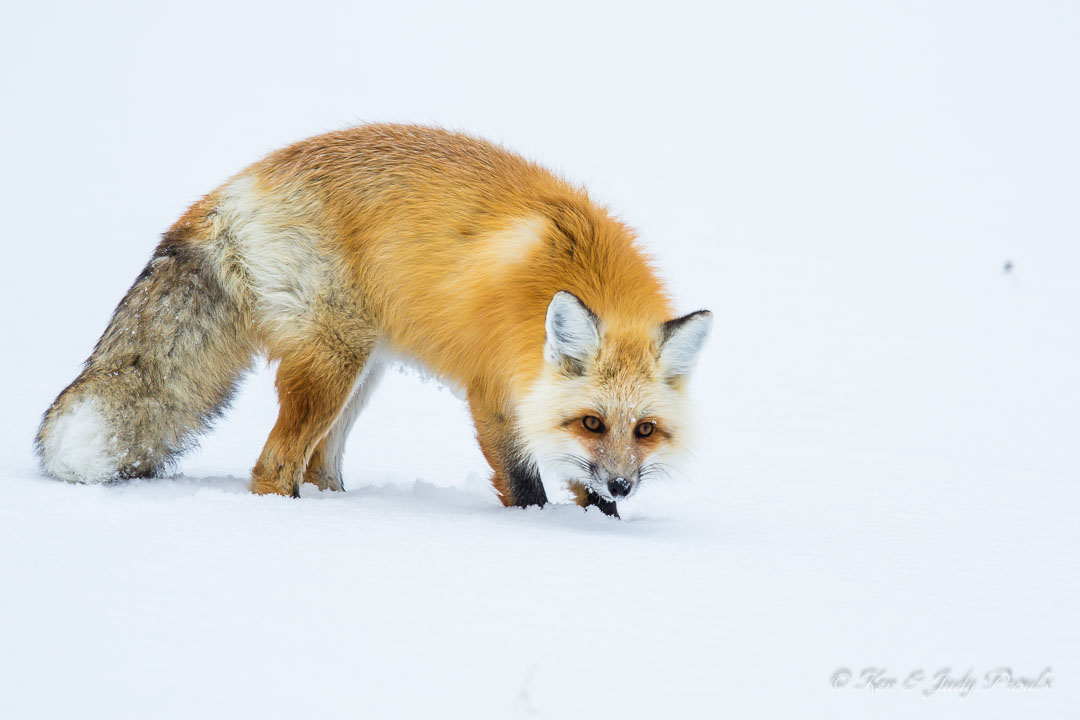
(573, 331)
(682, 341)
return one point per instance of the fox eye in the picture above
(593, 423)
(645, 429)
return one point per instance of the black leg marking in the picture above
(525, 484)
(606, 506)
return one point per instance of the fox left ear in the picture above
(573, 332)
(682, 341)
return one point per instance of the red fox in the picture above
(340, 253)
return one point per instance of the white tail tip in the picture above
(79, 446)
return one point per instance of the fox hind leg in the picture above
(314, 383)
(324, 468)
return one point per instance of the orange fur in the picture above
(418, 218)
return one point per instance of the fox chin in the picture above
(333, 255)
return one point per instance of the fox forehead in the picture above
(627, 357)
(620, 399)
(621, 384)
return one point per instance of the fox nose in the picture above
(619, 487)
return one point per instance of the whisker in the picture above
(657, 469)
(574, 460)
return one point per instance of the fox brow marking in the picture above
(599, 411)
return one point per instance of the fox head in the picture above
(608, 406)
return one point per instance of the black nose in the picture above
(619, 487)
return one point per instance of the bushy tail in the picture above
(164, 369)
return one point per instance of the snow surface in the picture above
(887, 466)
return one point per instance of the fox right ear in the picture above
(573, 332)
(683, 339)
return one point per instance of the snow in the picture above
(886, 468)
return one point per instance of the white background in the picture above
(886, 472)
